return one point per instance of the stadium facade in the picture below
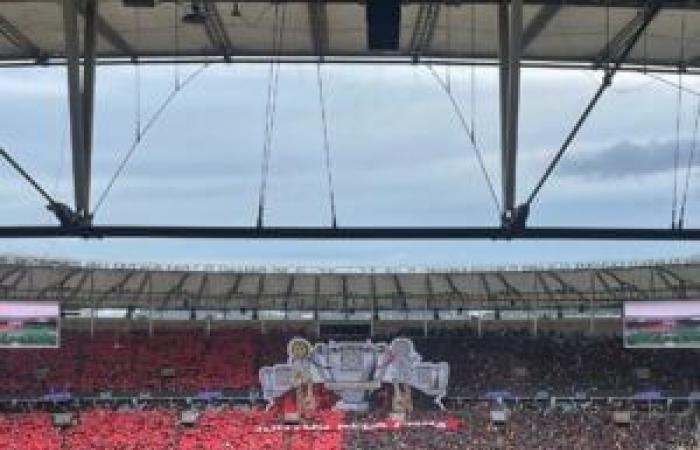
(583, 294)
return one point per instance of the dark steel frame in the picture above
(81, 65)
(351, 233)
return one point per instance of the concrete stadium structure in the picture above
(224, 293)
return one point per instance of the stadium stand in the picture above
(558, 362)
(28, 431)
(578, 428)
(507, 361)
(537, 429)
(559, 383)
(188, 362)
(126, 429)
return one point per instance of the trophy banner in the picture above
(353, 370)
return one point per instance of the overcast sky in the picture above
(399, 157)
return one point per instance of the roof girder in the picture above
(539, 22)
(20, 40)
(566, 286)
(318, 26)
(233, 291)
(216, 30)
(424, 28)
(59, 284)
(454, 290)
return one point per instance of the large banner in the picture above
(662, 324)
(353, 370)
(29, 324)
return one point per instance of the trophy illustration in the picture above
(353, 370)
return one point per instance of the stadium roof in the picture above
(78, 286)
(575, 32)
(649, 35)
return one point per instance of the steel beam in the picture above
(424, 28)
(20, 40)
(456, 291)
(232, 292)
(400, 292)
(352, 233)
(487, 287)
(116, 287)
(567, 287)
(539, 278)
(318, 24)
(203, 285)
(681, 4)
(146, 282)
(289, 291)
(503, 79)
(618, 57)
(216, 30)
(538, 23)
(107, 31)
(261, 291)
(176, 289)
(617, 44)
(655, 273)
(510, 30)
(81, 85)
(344, 289)
(72, 40)
(22, 276)
(58, 285)
(10, 273)
(429, 292)
(88, 93)
(682, 282)
(511, 155)
(605, 283)
(625, 285)
(354, 59)
(317, 294)
(373, 294)
(510, 289)
(79, 286)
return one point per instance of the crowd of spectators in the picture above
(28, 431)
(177, 362)
(510, 363)
(160, 429)
(183, 362)
(536, 428)
(561, 364)
(527, 427)
(122, 429)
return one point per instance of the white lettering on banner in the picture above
(355, 426)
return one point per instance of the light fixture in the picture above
(236, 11)
(196, 16)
